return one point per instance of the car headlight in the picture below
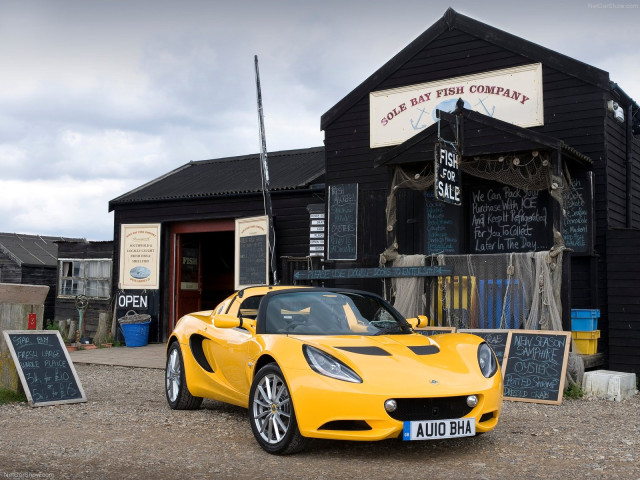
(487, 360)
(325, 364)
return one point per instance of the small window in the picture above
(85, 277)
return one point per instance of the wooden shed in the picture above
(195, 209)
(84, 268)
(465, 85)
(31, 260)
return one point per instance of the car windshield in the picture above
(331, 313)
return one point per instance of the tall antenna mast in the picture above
(264, 168)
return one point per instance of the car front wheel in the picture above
(178, 395)
(271, 413)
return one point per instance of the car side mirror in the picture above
(420, 321)
(223, 320)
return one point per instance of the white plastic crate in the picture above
(609, 385)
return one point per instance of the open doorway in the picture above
(205, 270)
(201, 268)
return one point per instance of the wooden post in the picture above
(556, 207)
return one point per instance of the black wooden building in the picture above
(196, 206)
(588, 129)
(548, 160)
(30, 260)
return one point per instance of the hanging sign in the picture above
(448, 184)
(513, 95)
(140, 256)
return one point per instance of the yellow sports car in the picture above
(330, 363)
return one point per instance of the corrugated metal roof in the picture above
(288, 169)
(31, 249)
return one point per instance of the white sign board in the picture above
(140, 256)
(513, 95)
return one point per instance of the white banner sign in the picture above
(140, 256)
(513, 95)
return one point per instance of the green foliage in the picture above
(9, 396)
(573, 391)
(52, 325)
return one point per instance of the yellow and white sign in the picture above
(513, 95)
(140, 256)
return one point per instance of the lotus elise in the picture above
(334, 364)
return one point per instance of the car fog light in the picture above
(472, 400)
(390, 405)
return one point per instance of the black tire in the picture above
(271, 414)
(178, 395)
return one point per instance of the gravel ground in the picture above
(126, 430)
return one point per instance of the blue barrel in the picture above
(136, 334)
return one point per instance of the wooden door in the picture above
(189, 285)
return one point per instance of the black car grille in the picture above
(410, 409)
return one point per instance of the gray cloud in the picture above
(97, 98)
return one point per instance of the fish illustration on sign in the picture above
(140, 273)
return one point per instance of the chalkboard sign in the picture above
(428, 331)
(496, 338)
(253, 260)
(443, 226)
(44, 366)
(505, 219)
(577, 223)
(343, 221)
(535, 365)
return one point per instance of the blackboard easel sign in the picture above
(535, 365)
(343, 222)
(44, 367)
(428, 331)
(498, 339)
(251, 252)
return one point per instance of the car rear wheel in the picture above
(271, 413)
(178, 395)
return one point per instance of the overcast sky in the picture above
(100, 97)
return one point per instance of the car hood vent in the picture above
(425, 349)
(377, 351)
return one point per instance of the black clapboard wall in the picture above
(535, 365)
(44, 366)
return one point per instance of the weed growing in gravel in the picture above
(573, 391)
(9, 396)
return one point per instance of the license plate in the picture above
(438, 429)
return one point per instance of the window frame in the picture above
(83, 277)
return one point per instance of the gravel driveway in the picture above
(126, 430)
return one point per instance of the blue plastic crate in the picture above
(584, 320)
(585, 313)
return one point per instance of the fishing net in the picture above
(510, 290)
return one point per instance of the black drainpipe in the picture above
(629, 166)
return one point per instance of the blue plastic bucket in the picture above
(136, 334)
